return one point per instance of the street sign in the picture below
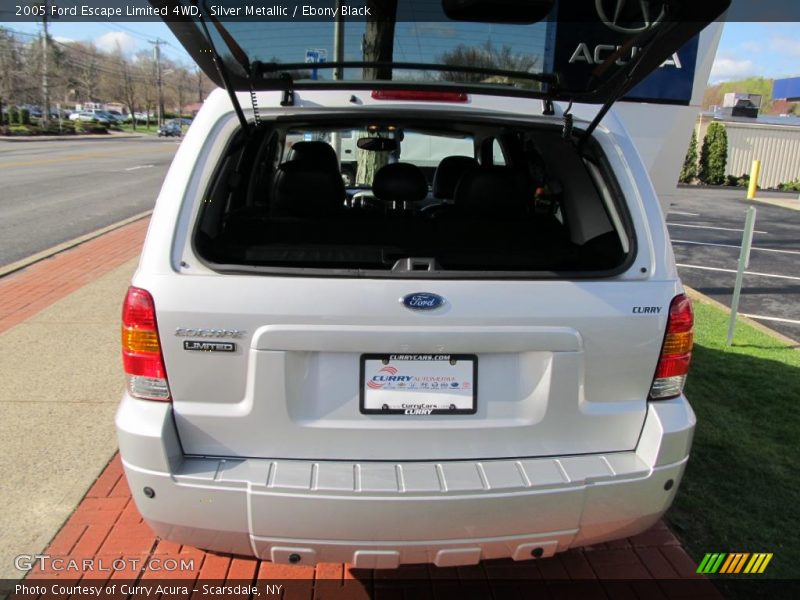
(316, 56)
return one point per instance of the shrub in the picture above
(95, 128)
(714, 155)
(689, 170)
(744, 180)
(78, 125)
(24, 117)
(740, 181)
(790, 186)
(13, 115)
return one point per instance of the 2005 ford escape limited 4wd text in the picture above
(408, 312)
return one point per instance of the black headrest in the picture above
(320, 154)
(400, 182)
(449, 171)
(493, 191)
(303, 190)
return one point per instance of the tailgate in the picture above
(561, 367)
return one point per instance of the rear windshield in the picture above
(400, 197)
(425, 46)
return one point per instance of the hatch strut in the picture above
(241, 57)
(223, 73)
(641, 41)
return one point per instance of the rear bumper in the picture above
(380, 515)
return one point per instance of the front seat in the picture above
(320, 154)
(308, 184)
(450, 170)
(302, 189)
(401, 184)
(493, 192)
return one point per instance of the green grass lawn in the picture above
(140, 128)
(741, 491)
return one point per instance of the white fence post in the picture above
(744, 262)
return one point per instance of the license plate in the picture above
(419, 384)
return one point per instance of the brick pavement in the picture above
(24, 293)
(107, 526)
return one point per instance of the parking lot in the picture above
(706, 227)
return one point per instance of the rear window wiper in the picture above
(262, 70)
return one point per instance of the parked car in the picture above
(34, 111)
(142, 117)
(487, 365)
(170, 129)
(116, 115)
(89, 116)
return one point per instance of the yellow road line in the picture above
(72, 157)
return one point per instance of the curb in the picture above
(45, 254)
(68, 138)
(702, 298)
(790, 204)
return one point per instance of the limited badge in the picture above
(205, 346)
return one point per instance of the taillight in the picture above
(676, 352)
(422, 96)
(141, 350)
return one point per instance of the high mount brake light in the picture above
(676, 351)
(141, 350)
(421, 96)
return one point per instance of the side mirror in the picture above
(498, 11)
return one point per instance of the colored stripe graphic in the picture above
(729, 562)
(734, 563)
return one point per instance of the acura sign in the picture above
(601, 28)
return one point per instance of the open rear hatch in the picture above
(496, 47)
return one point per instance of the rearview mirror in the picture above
(498, 11)
(377, 144)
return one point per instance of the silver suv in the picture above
(479, 356)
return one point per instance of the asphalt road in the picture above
(55, 191)
(706, 229)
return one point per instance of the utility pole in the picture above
(338, 72)
(45, 87)
(338, 41)
(199, 75)
(157, 58)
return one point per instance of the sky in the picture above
(746, 49)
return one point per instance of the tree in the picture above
(198, 74)
(130, 90)
(12, 69)
(487, 57)
(86, 69)
(689, 170)
(714, 155)
(378, 44)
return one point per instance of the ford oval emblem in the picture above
(422, 301)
